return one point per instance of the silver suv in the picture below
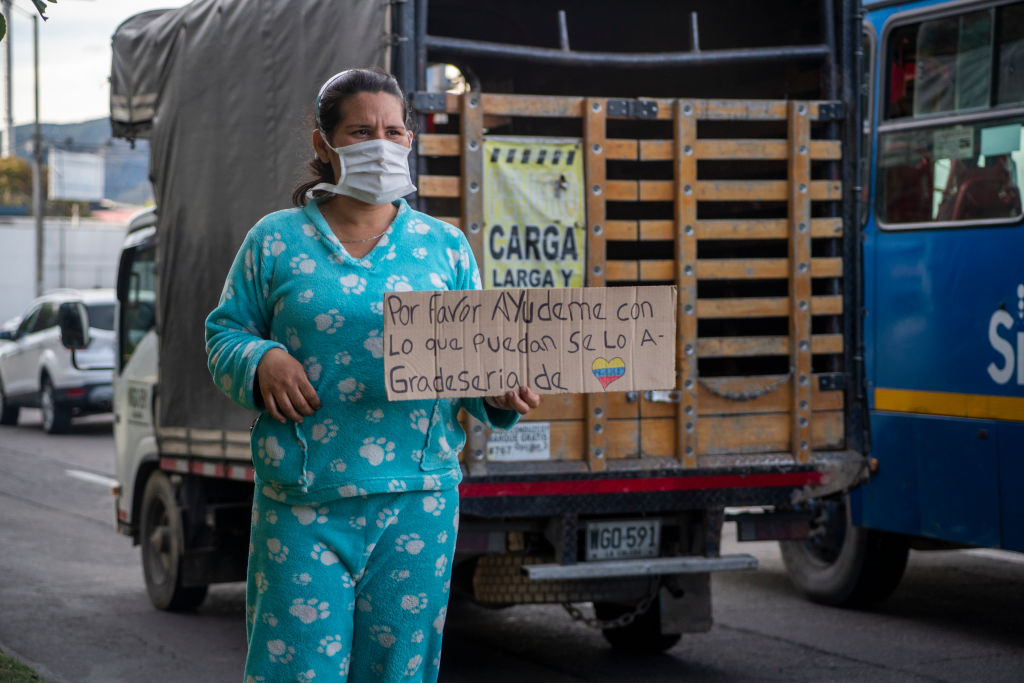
(37, 368)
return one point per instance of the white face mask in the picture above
(373, 171)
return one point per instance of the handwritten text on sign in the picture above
(483, 343)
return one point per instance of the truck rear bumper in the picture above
(656, 566)
(560, 488)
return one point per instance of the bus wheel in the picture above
(841, 564)
(643, 636)
(163, 545)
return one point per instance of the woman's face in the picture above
(365, 116)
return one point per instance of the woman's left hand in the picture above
(522, 401)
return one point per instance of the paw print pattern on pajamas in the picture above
(250, 271)
(228, 292)
(350, 491)
(260, 579)
(302, 265)
(349, 389)
(441, 565)
(269, 619)
(305, 296)
(431, 482)
(324, 555)
(382, 635)
(418, 227)
(307, 515)
(414, 604)
(342, 358)
(338, 465)
(374, 415)
(409, 543)
(400, 575)
(413, 666)
(303, 579)
(276, 550)
(433, 504)
(357, 522)
(420, 252)
(310, 231)
(269, 451)
(377, 307)
(377, 451)
(272, 245)
(308, 611)
(364, 604)
(352, 284)
(374, 344)
(330, 645)
(386, 518)
(343, 670)
(417, 636)
(419, 420)
(324, 431)
(442, 537)
(329, 322)
(397, 486)
(313, 368)
(398, 283)
(280, 652)
(437, 281)
(271, 516)
(439, 621)
(306, 676)
(291, 336)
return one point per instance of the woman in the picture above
(356, 503)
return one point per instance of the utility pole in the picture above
(37, 165)
(7, 142)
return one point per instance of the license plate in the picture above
(623, 540)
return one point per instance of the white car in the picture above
(37, 370)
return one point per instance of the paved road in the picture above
(74, 607)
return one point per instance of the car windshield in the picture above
(101, 316)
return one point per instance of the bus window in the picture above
(949, 150)
(940, 65)
(967, 172)
(1010, 47)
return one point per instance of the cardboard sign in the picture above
(483, 343)
(534, 232)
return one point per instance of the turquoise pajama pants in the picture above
(351, 590)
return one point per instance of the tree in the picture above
(40, 7)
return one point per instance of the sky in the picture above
(74, 57)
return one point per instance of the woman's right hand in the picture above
(286, 391)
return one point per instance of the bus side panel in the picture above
(937, 477)
(1010, 442)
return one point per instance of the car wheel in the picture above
(162, 537)
(56, 417)
(8, 412)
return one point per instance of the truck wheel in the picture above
(8, 413)
(162, 539)
(56, 417)
(845, 565)
(643, 636)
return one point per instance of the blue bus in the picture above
(943, 327)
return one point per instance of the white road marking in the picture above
(94, 478)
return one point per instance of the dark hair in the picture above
(327, 114)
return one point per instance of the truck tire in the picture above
(162, 539)
(845, 565)
(8, 412)
(643, 636)
(56, 417)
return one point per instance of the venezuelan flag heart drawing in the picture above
(607, 371)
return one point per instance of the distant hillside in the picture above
(127, 169)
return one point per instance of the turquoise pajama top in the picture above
(294, 286)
